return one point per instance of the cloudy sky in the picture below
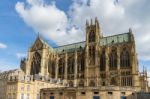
(63, 21)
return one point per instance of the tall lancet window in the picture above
(92, 55)
(70, 65)
(51, 68)
(113, 60)
(61, 66)
(102, 61)
(124, 59)
(80, 62)
(36, 64)
(91, 37)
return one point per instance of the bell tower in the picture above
(92, 52)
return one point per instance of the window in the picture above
(61, 66)
(124, 59)
(8, 96)
(123, 97)
(36, 64)
(83, 93)
(22, 96)
(113, 60)
(38, 96)
(70, 65)
(80, 62)
(102, 61)
(96, 92)
(96, 97)
(51, 97)
(126, 81)
(51, 68)
(13, 96)
(113, 81)
(91, 37)
(22, 88)
(61, 93)
(110, 93)
(123, 93)
(28, 96)
(28, 87)
(92, 55)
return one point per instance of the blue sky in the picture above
(63, 21)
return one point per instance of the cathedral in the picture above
(97, 68)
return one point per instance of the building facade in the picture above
(98, 61)
(97, 68)
(3, 82)
(107, 66)
(28, 87)
(14, 84)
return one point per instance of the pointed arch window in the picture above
(92, 54)
(125, 59)
(80, 62)
(70, 65)
(36, 64)
(61, 66)
(113, 60)
(92, 51)
(102, 61)
(91, 37)
(51, 68)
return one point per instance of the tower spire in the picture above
(96, 22)
(87, 23)
(38, 35)
(91, 21)
(130, 30)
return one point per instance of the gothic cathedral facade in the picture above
(97, 61)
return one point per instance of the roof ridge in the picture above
(116, 35)
(70, 44)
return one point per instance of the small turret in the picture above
(131, 35)
(91, 22)
(130, 30)
(87, 23)
(96, 22)
(23, 64)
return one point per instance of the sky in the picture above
(62, 22)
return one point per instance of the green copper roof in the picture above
(105, 41)
(70, 47)
(110, 40)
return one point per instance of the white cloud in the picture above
(21, 55)
(46, 19)
(3, 46)
(114, 17)
(117, 18)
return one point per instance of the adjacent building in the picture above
(14, 84)
(3, 82)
